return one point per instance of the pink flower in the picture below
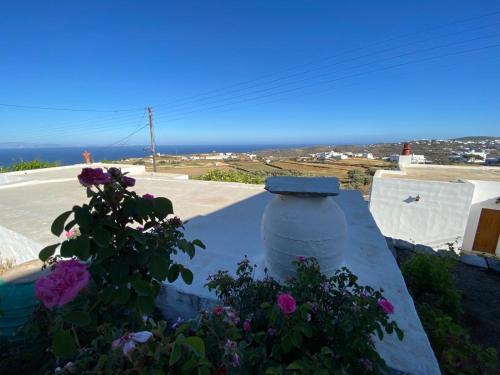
(229, 346)
(93, 176)
(367, 364)
(236, 360)
(386, 306)
(70, 233)
(128, 181)
(175, 222)
(218, 310)
(301, 258)
(148, 196)
(287, 303)
(247, 327)
(271, 332)
(233, 317)
(63, 284)
(128, 341)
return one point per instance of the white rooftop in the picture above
(226, 217)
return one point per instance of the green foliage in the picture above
(32, 164)
(429, 280)
(329, 332)
(128, 243)
(360, 180)
(232, 176)
(256, 177)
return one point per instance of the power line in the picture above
(68, 109)
(319, 76)
(316, 61)
(123, 140)
(339, 78)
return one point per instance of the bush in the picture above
(257, 177)
(311, 325)
(232, 176)
(429, 280)
(120, 248)
(32, 164)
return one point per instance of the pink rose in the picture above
(287, 303)
(218, 310)
(386, 306)
(301, 258)
(148, 196)
(175, 222)
(63, 284)
(128, 181)
(93, 176)
(247, 327)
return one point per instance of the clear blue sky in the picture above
(315, 71)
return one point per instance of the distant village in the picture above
(476, 150)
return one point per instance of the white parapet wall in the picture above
(425, 212)
(17, 248)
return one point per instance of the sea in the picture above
(73, 155)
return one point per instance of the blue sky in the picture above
(248, 72)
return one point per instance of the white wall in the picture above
(485, 195)
(16, 247)
(440, 216)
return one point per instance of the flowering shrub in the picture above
(118, 249)
(312, 324)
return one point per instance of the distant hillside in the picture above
(476, 138)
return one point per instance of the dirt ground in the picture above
(337, 169)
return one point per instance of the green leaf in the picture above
(196, 344)
(47, 252)
(63, 344)
(68, 248)
(176, 354)
(399, 332)
(163, 206)
(187, 276)
(295, 365)
(118, 272)
(83, 218)
(188, 366)
(199, 244)
(82, 247)
(80, 318)
(146, 304)
(58, 224)
(70, 225)
(158, 267)
(173, 273)
(143, 288)
(102, 237)
(144, 207)
(123, 295)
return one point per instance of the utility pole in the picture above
(152, 135)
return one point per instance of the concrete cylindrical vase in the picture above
(295, 226)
